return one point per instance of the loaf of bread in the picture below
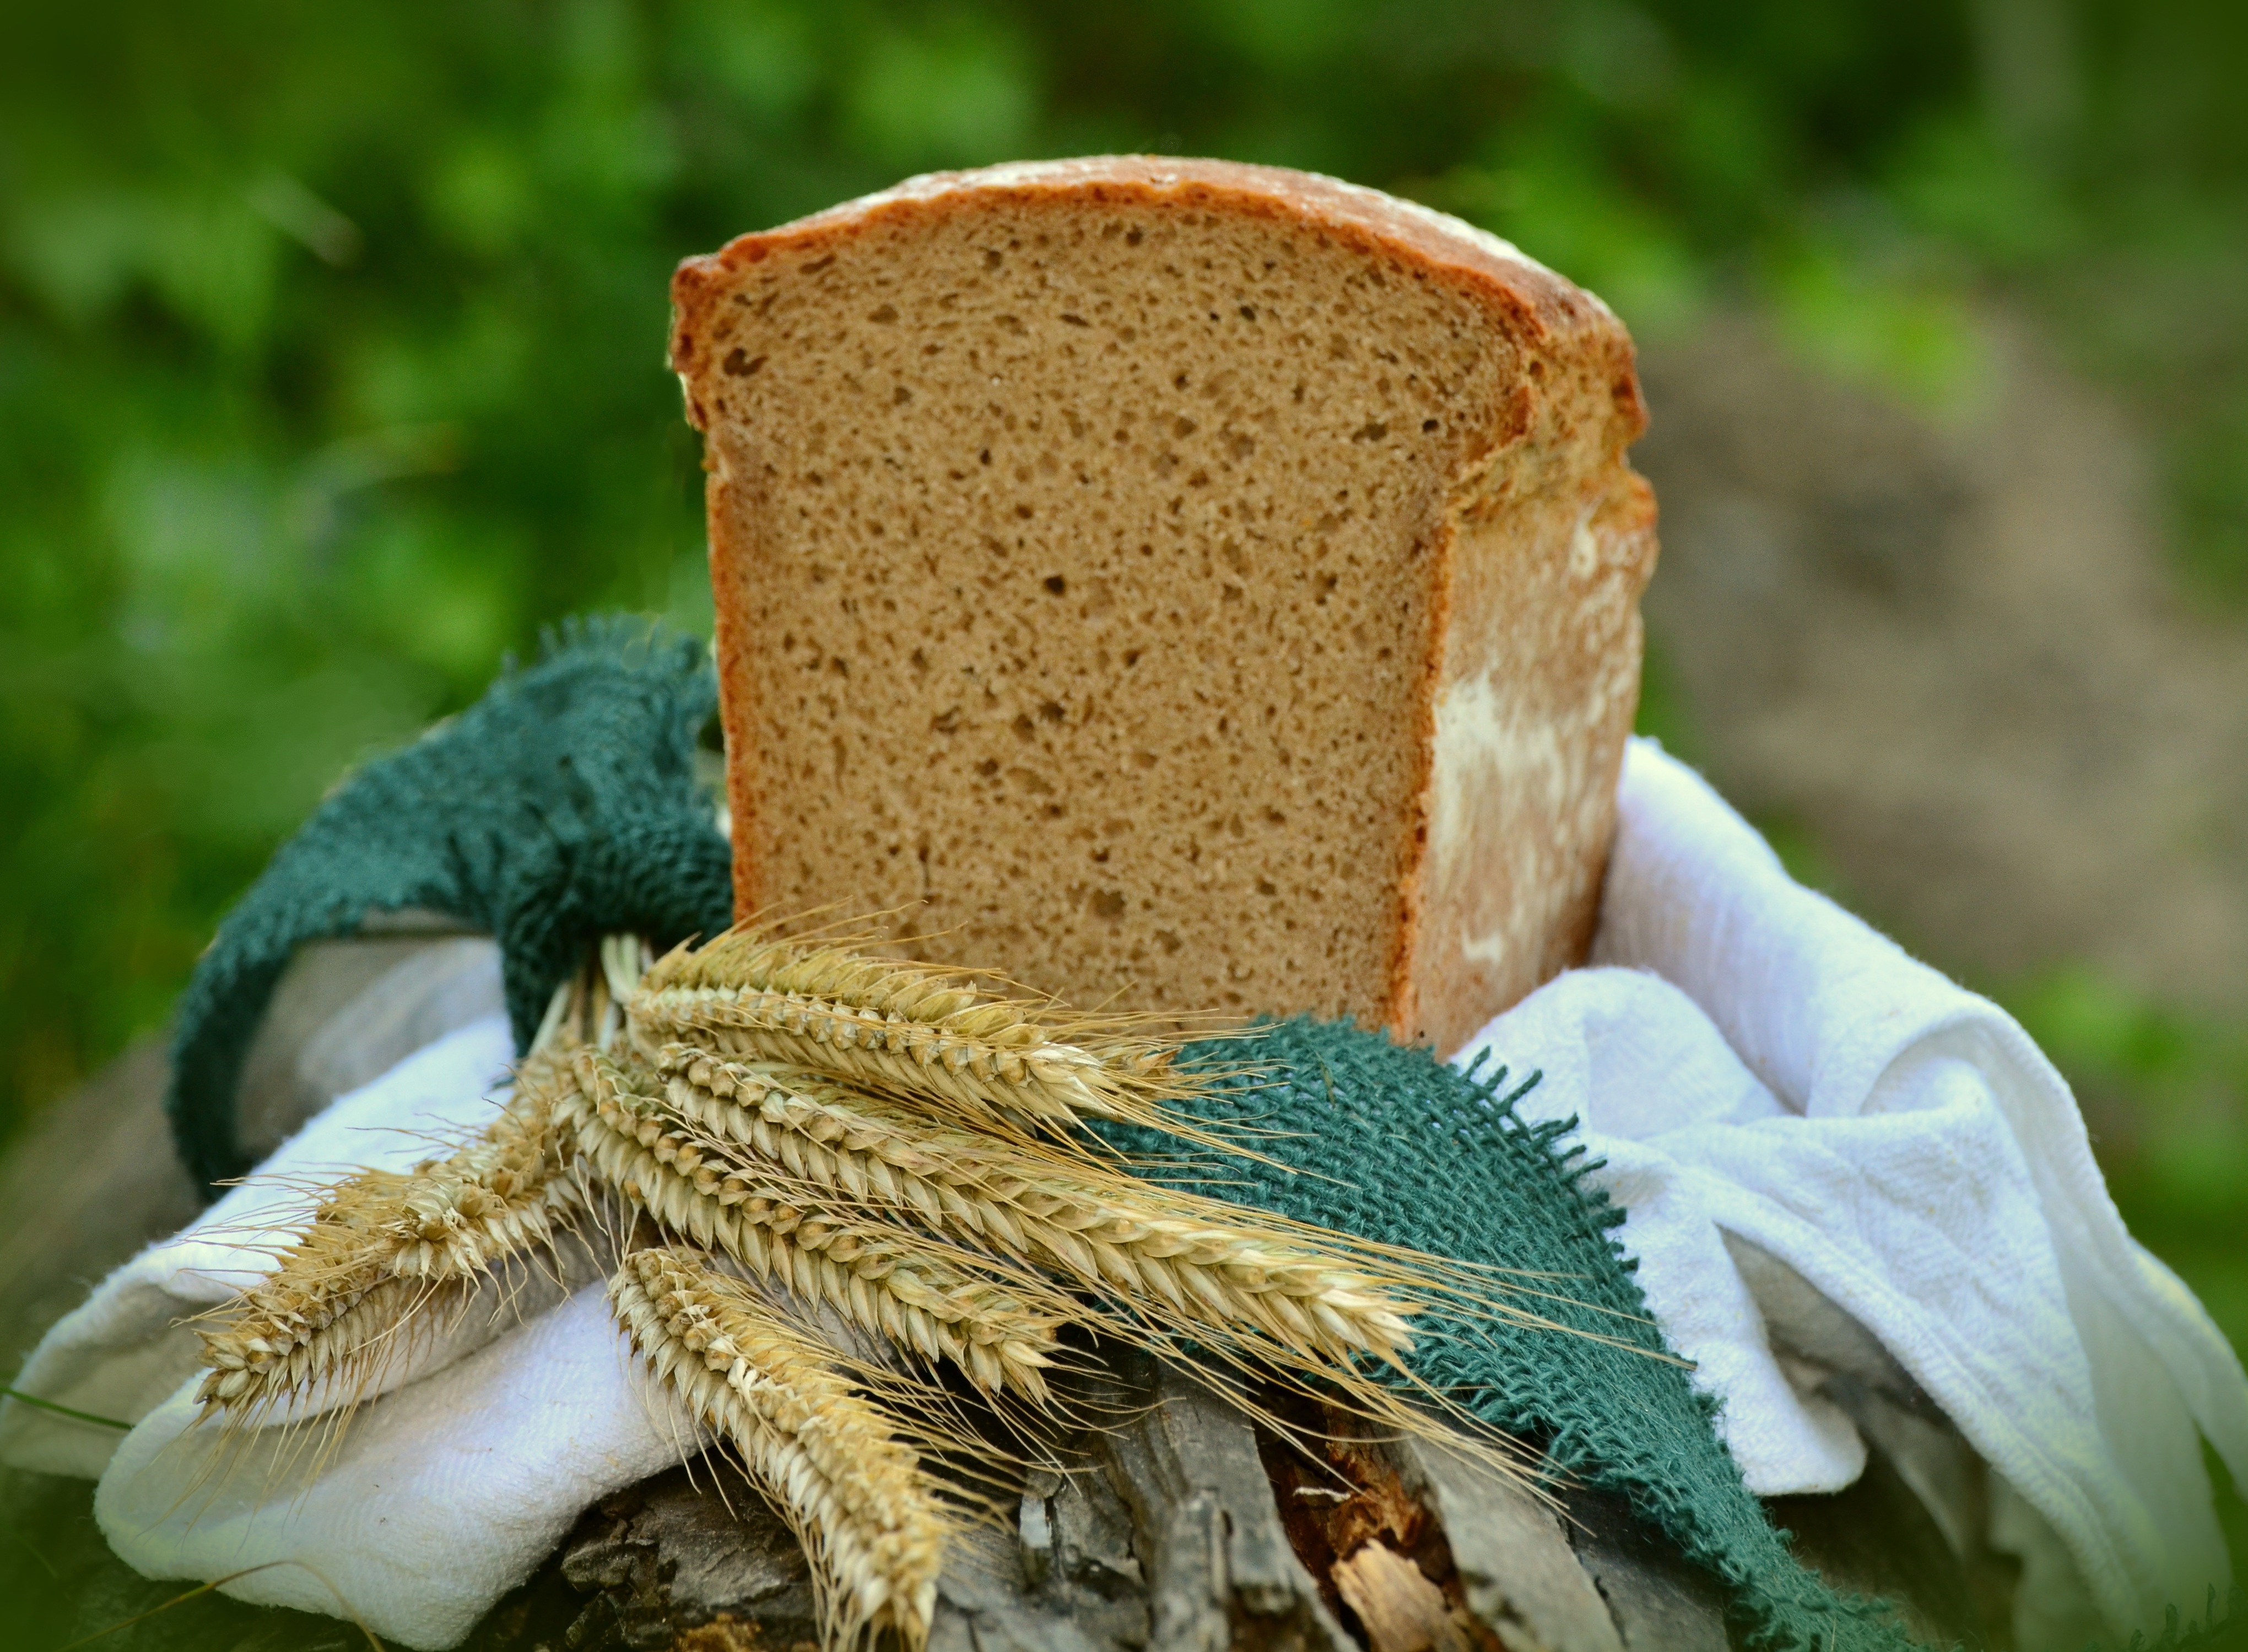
(1176, 583)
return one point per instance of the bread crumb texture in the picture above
(1179, 586)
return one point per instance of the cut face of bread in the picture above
(1179, 586)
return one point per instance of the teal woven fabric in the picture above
(563, 807)
(560, 807)
(1391, 1144)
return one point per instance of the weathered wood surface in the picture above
(1182, 1527)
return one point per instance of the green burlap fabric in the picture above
(1391, 1144)
(560, 807)
(563, 807)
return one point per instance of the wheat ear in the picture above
(382, 1250)
(255, 1366)
(1165, 1269)
(855, 1494)
(910, 1288)
(1183, 1257)
(902, 1026)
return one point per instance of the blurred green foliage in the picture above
(331, 337)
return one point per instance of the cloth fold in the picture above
(419, 1515)
(431, 1504)
(124, 1349)
(1755, 1063)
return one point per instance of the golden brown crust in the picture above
(1544, 471)
(1536, 297)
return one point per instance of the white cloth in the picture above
(126, 1348)
(1780, 1095)
(1753, 1061)
(434, 1501)
(432, 1504)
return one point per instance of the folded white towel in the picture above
(1780, 1095)
(1757, 1064)
(126, 1348)
(434, 1502)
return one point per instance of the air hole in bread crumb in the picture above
(1059, 586)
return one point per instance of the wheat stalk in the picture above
(384, 1248)
(1174, 1270)
(891, 1279)
(898, 1025)
(855, 1494)
(1189, 1258)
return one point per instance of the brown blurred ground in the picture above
(1949, 655)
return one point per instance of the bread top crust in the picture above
(1546, 306)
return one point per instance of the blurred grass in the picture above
(331, 348)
